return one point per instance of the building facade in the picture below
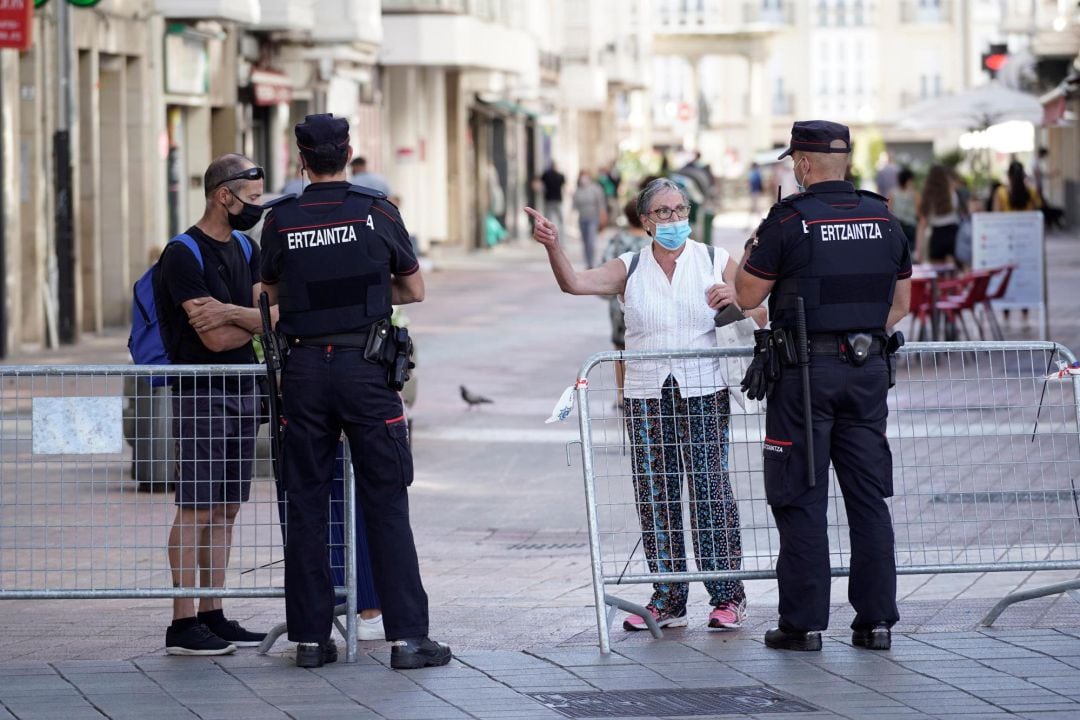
(80, 167)
(100, 170)
(459, 103)
(733, 76)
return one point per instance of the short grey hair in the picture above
(655, 187)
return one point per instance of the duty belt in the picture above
(350, 340)
(828, 344)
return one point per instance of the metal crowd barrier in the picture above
(86, 476)
(985, 450)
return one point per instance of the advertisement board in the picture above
(16, 23)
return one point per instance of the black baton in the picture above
(802, 352)
(272, 354)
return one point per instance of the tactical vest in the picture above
(848, 283)
(336, 271)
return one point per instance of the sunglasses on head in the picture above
(252, 173)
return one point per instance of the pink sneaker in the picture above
(663, 619)
(728, 616)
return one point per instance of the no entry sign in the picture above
(16, 17)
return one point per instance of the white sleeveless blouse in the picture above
(675, 315)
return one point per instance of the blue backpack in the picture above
(148, 342)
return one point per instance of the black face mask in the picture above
(247, 218)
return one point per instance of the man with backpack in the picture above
(206, 286)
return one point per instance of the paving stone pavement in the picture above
(515, 602)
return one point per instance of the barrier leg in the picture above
(1069, 586)
(630, 607)
(350, 559)
(272, 637)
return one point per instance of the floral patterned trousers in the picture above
(673, 436)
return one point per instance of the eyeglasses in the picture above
(252, 173)
(665, 213)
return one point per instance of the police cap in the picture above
(818, 136)
(319, 131)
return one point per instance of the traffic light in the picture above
(993, 60)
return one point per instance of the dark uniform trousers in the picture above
(849, 416)
(325, 390)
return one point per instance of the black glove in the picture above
(764, 368)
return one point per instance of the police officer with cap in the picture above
(335, 259)
(835, 258)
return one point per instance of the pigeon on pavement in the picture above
(472, 399)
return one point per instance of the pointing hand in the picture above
(544, 231)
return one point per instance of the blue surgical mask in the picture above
(673, 235)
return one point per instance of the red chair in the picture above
(921, 307)
(960, 295)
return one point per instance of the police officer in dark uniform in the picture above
(335, 259)
(840, 254)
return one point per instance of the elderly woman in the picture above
(676, 411)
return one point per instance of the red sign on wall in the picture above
(16, 22)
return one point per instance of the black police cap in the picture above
(322, 130)
(818, 136)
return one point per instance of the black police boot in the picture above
(878, 637)
(779, 639)
(314, 655)
(419, 652)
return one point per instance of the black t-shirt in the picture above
(553, 181)
(227, 277)
(323, 198)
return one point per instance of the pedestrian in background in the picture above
(840, 252)
(591, 207)
(887, 176)
(677, 412)
(757, 189)
(938, 218)
(553, 182)
(609, 179)
(295, 184)
(209, 314)
(903, 202)
(360, 176)
(1042, 174)
(1017, 195)
(337, 257)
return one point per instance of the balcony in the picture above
(459, 41)
(764, 12)
(348, 22)
(704, 16)
(716, 27)
(239, 11)
(925, 12)
(287, 15)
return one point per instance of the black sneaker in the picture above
(420, 652)
(779, 639)
(195, 640)
(314, 655)
(234, 632)
(878, 637)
